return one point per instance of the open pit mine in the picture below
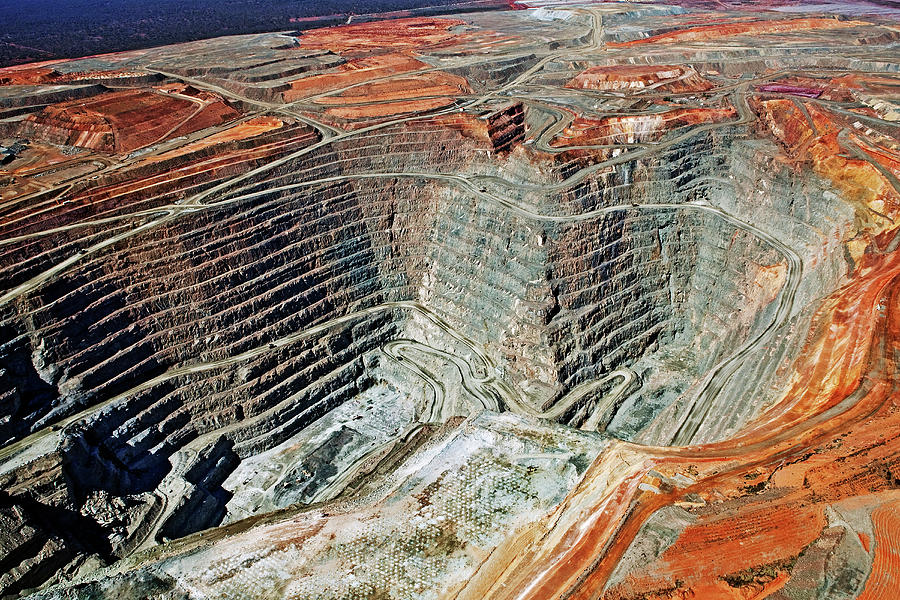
(562, 301)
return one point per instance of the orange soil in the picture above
(32, 76)
(887, 158)
(247, 129)
(353, 72)
(214, 113)
(877, 84)
(855, 454)
(49, 76)
(37, 158)
(718, 545)
(842, 352)
(124, 121)
(716, 32)
(802, 458)
(399, 34)
(636, 128)
(884, 581)
(387, 109)
(132, 189)
(433, 83)
(678, 78)
(815, 142)
(466, 123)
(34, 69)
(53, 166)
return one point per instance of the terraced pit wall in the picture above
(147, 323)
(553, 302)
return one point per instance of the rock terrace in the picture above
(562, 301)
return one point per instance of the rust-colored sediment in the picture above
(120, 122)
(433, 83)
(28, 76)
(242, 131)
(47, 75)
(884, 582)
(728, 30)
(183, 171)
(409, 33)
(850, 355)
(761, 498)
(812, 135)
(754, 537)
(356, 71)
(387, 109)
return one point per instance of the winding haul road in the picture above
(477, 378)
(489, 392)
(714, 381)
(477, 374)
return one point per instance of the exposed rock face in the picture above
(537, 308)
(506, 127)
